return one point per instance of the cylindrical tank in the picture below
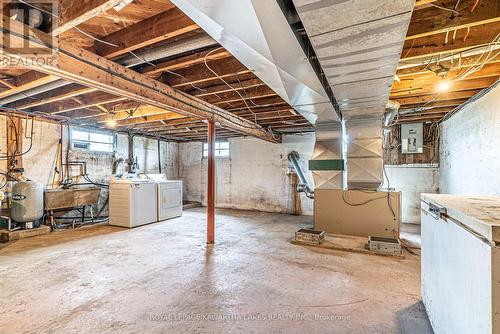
(27, 202)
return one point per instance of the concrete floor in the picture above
(161, 278)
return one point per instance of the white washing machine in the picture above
(132, 202)
(169, 197)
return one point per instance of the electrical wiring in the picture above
(16, 152)
(86, 33)
(258, 105)
(475, 67)
(216, 114)
(478, 64)
(6, 176)
(456, 12)
(226, 83)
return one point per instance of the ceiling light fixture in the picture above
(112, 123)
(443, 85)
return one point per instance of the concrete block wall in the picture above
(253, 178)
(470, 146)
(411, 181)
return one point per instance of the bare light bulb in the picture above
(112, 123)
(443, 85)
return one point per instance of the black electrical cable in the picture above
(16, 154)
(100, 185)
(7, 177)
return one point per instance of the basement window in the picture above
(89, 140)
(221, 149)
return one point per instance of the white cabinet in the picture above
(132, 204)
(169, 199)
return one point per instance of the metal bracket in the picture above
(436, 211)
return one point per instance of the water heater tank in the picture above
(27, 202)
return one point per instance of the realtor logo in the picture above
(26, 32)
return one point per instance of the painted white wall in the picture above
(470, 146)
(411, 181)
(253, 178)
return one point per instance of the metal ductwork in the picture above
(259, 35)
(150, 55)
(328, 164)
(304, 185)
(34, 91)
(168, 50)
(358, 44)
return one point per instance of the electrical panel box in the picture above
(412, 138)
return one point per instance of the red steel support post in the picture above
(211, 184)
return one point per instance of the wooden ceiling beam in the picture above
(142, 111)
(186, 61)
(457, 64)
(150, 119)
(421, 118)
(52, 96)
(488, 70)
(424, 111)
(271, 102)
(277, 111)
(436, 45)
(419, 3)
(85, 10)
(72, 13)
(432, 20)
(200, 73)
(7, 84)
(430, 88)
(247, 93)
(83, 67)
(27, 81)
(166, 25)
(466, 94)
(168, 124)
(223, 88)
(435, 104)
(140, 119)
(89, 101)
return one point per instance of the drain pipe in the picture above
(304, 185)
(160, 52)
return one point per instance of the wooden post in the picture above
(211, 184)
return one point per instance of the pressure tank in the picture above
(27, 202)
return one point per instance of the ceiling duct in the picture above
(260, 36)
(358, 44)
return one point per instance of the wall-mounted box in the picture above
(412, 138)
